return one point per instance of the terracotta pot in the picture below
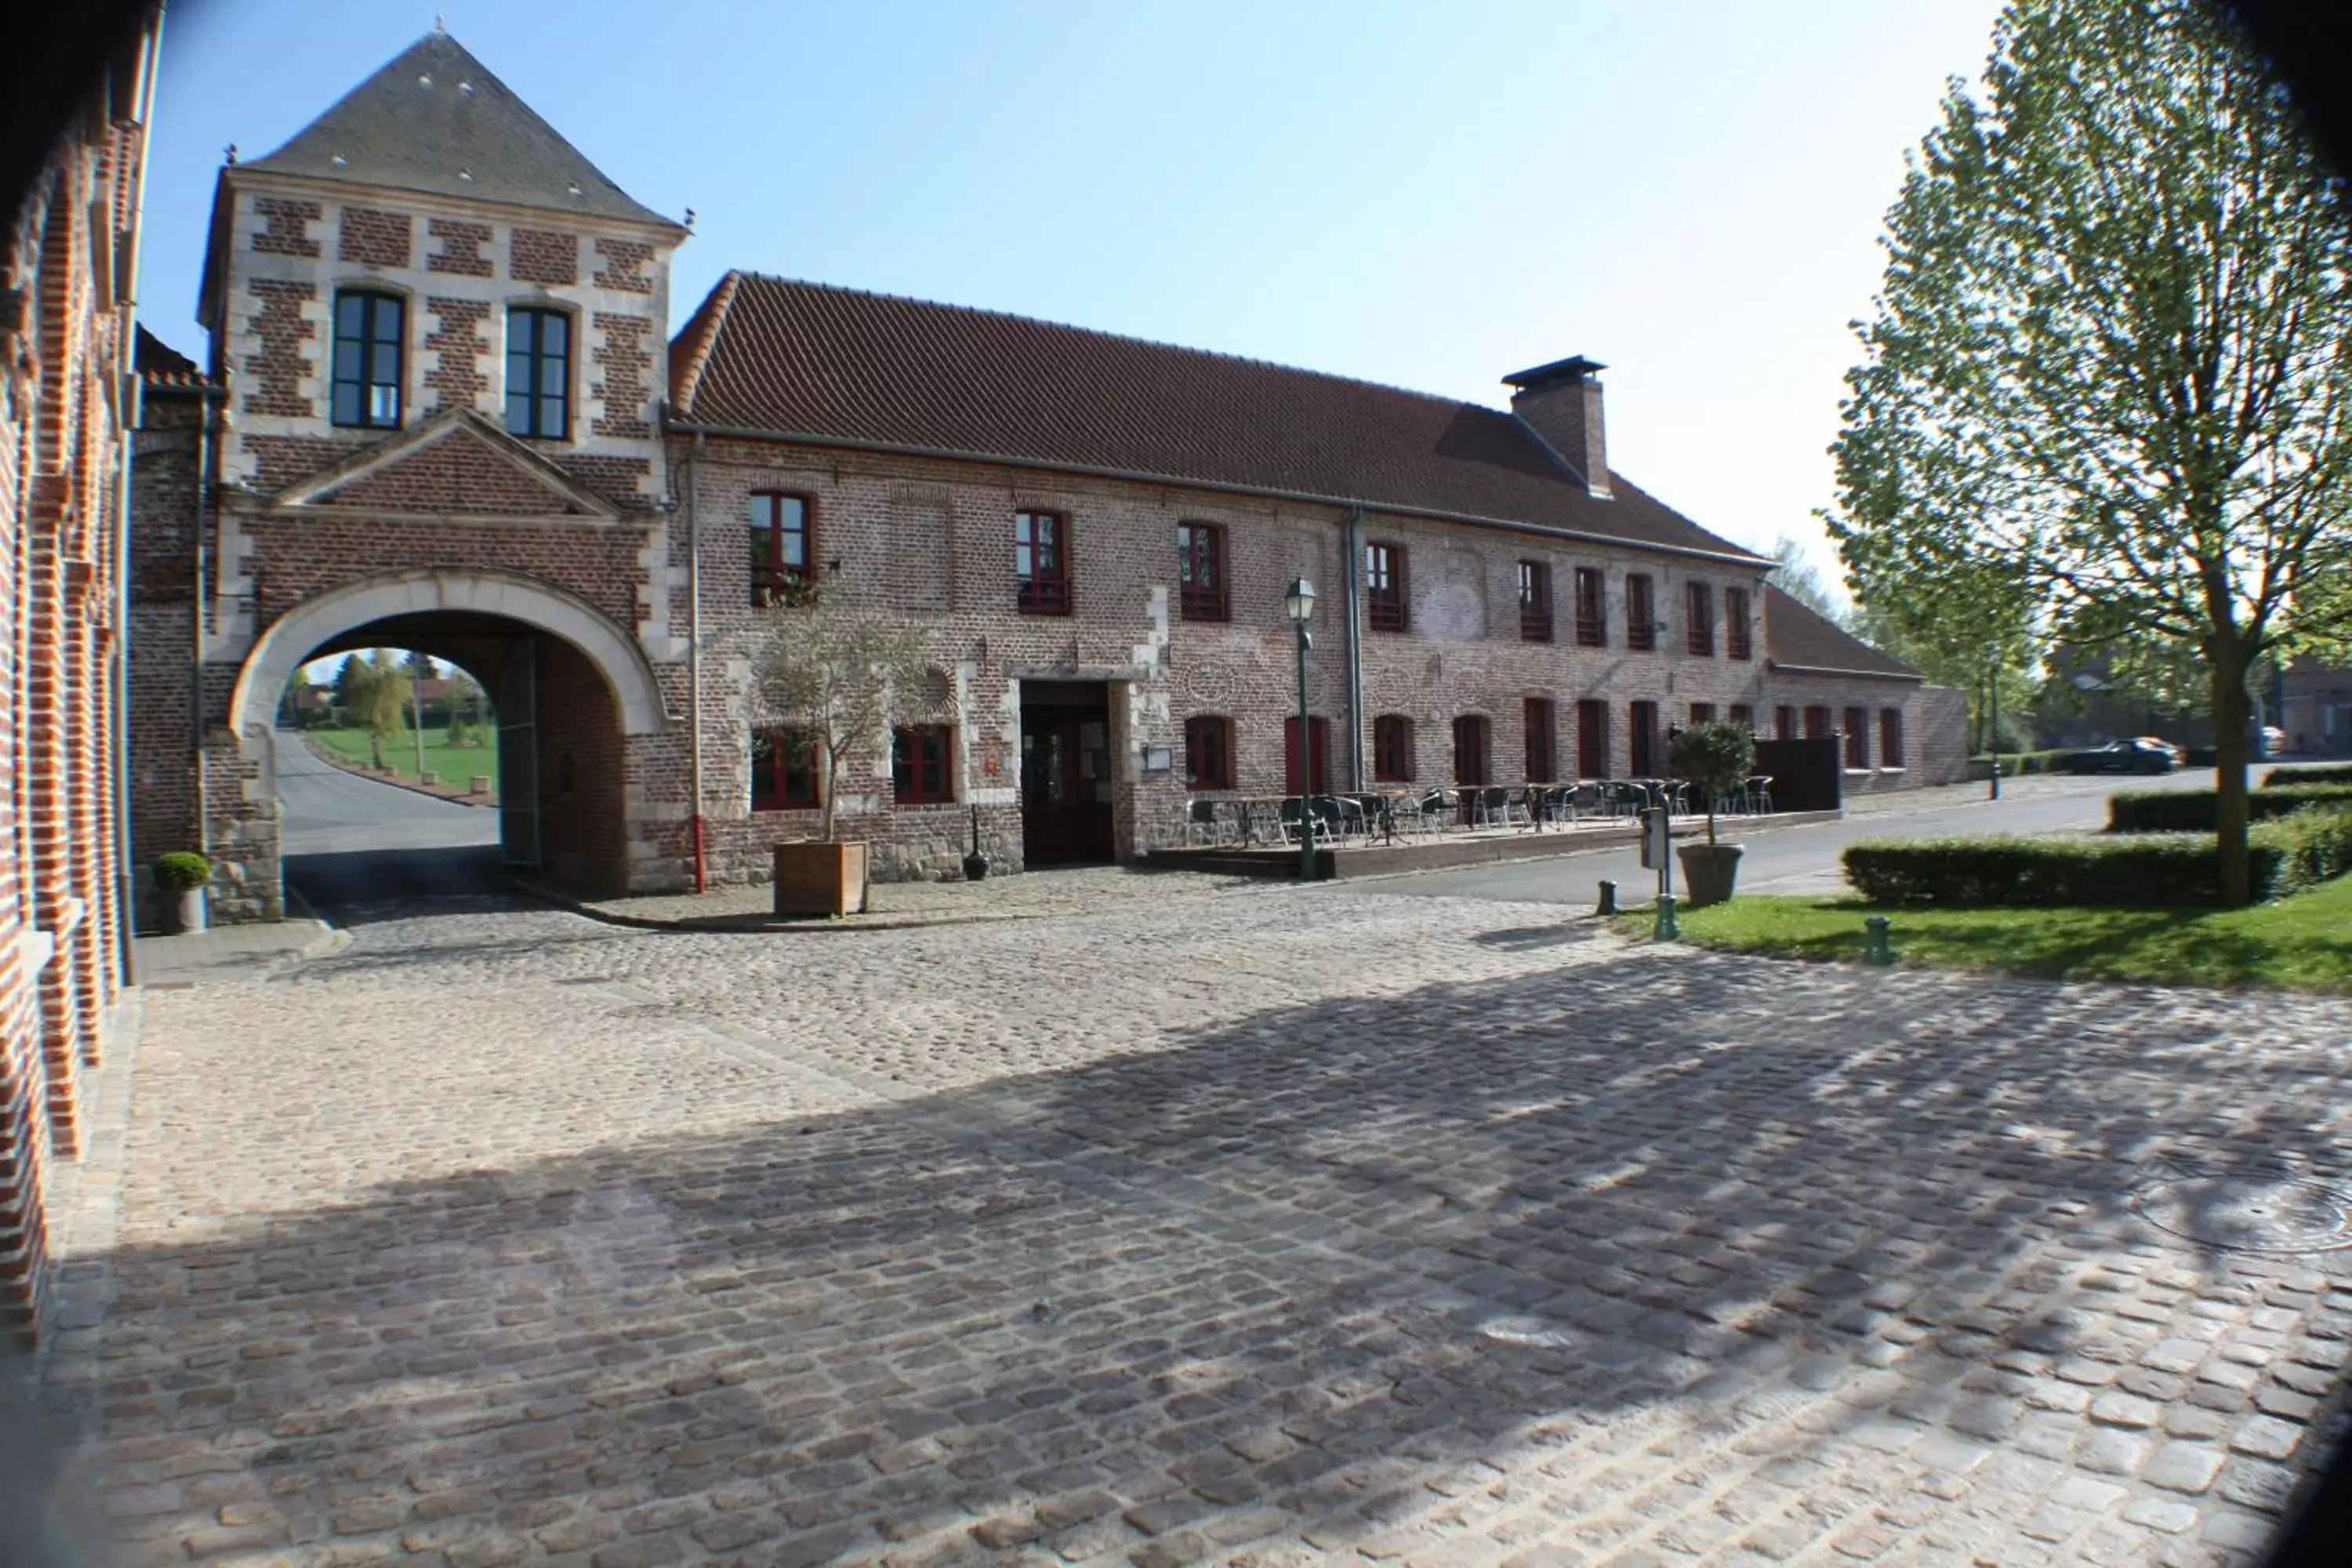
(1709, 870)
(821, 877)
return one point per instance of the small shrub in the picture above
(2288, 778)
(2156, 869)
(2194, 810)
(2315, 845)
(181, 869)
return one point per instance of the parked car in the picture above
(2134, 756)
(2179, 754)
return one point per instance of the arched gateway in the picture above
(433, 421)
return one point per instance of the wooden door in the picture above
(1066, 785)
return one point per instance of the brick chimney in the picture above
(1560, 401)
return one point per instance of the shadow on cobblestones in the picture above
(1690, 1253)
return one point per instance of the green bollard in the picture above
(1667, 929)
(1875, 948)
(1608, 898)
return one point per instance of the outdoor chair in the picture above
(1439, 807)
(1587, 798)
(1338, 819)
(1759, 794)
(1509, 808)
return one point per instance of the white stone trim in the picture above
(290, 639)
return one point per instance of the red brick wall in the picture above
(543, 255)
(933, 539)
(59, 455)
(374, 238)
(460, 251)
(584, 831)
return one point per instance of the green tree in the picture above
(1797, 577)
(2107, 382)
(375, 691)
(844, 676)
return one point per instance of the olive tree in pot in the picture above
(181, 875)
(841, 676)
(1716, 759)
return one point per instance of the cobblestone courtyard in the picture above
(1259, 1227)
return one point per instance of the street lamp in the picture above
(1299, 604)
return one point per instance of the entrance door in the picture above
(1065, 776)
(518, 755)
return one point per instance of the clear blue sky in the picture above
(1429, 195)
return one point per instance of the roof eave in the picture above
(1913, 676)
(340, 190)
(672, 420)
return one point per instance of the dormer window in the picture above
(539, 373)
(368, 336)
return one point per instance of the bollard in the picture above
(1875, 948)
(1608, 898)
(1668, 929)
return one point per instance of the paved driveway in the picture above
(1258, 1227)
(354, 842)
(1806, 859)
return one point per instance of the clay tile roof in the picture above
(158, 363)
(435, 120)
(1796, 636)
(841, 365)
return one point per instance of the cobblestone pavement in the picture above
(1085, 889)
(1318, 1225)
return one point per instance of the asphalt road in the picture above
(351, 841)
(1806, 859)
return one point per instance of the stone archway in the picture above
(581, 807)
(281, 651)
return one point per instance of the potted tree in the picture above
(843, 677)
(182, 874)
(1716, 759)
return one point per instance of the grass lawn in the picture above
(2302, 943)
(455, 765)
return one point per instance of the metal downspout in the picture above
(694, 661)
(128, 414)
(1351, 566)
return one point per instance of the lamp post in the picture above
(1298, 602)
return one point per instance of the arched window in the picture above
(1208, 752)
(1392, 749)
(369, 338)
(539, 373)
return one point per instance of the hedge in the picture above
(2193, 810)
(2015, 762)
(2159, 869)
(2292, 776)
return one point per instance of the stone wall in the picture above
(932, 541)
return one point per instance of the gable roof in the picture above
(1798, 638)
(844, 367)
(434, 118)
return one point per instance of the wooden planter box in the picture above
(815, 877)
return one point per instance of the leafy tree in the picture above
(844, 676)
(1717, 757)
(1797, 577)
(2107, 383)
(421, 665)
(373, 691)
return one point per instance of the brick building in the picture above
(66, 278)
(444, 423)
